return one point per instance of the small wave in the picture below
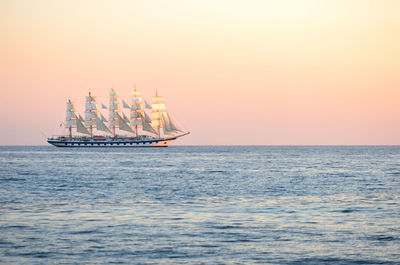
(176, 218)
(340, 261)
(223, 227)
(383, 238)
(12, 179)
(216, 171)
(244, 240)
(15, 226)
(348, 210)
(84, 232)
(209, 246)
(127, 163)
(386, 238)
(37, 254)
(3, 242)
(27, 173)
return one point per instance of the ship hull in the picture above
(108, 143)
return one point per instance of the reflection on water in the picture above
(194, 205)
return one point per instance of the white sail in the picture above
(101, 126)
(102, 118)
(114, 106)
(135, 115)
(135, 123)
(70, 114)
(91, 106)
(125, 118)
(81, 128)
(169, 126)
(165, 122)
(161, 119)
(90, 115)
(70, 123)
(126, 106)
(70, 106)
(113, 119)
(89, 123)
(156, 120)
(136, 100)
(113, 116)
(90, 98)
(146, 125)
(136, 119)
(147, 105)
(122, 124)
(73, 120)
(173, 125)
(166, 131)
(136, 110)
(158, 107)
(147, 118)
(70, 119)
(113, 110)
(138, 123)
(136, 107)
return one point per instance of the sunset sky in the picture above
(288, 72)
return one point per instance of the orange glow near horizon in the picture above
(231, 72)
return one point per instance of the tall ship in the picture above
(147, 125)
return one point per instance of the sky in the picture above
(233, 72)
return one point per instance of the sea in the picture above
(200, 205)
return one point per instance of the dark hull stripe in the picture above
(163, 143)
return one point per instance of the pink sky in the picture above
(232, 72)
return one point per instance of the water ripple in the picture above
(200, 205)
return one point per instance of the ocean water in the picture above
(200, 205)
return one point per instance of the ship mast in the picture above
(136, 111)
(158, 108)
(161, 119)
(91, 113)
(91, 125)
(114, 110)
(70, 120)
